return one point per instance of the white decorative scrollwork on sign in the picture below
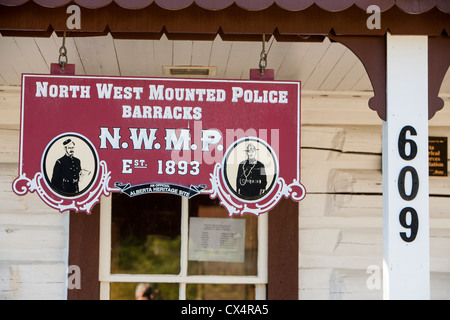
(295, 190)
(84, 202)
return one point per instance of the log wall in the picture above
(341, 218)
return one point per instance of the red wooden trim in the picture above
(268, 74)
(372, 53)
(283, 251)
(438, 64)
(84, 239)
(413, 7)
(69, 69)
(232, 21)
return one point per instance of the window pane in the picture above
(219, 244)
(220, 292)
(145, 234)
(143, 291)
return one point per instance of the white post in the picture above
(406, 267)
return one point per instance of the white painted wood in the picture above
(34, 247)
(260, 292)
(351, 168)
(98, 54)
(243, 56)
(10, 141)
(350, 222)
(41, 52)
(320, 66)
(324, 67)
(12, 63)
(310, 62)
(184, 254)
(326, 108)
(33, 237)
(106, 277)
(104, 268)
(445, 87)
(32, 56)
(49, 50)
(182, 52)
(339, 71)
(291, 61)
(276, 55)
(104, 290)
(162, 55)
(363, 84)
(339, 132)
(263, 254)
(219, 56)
(23, 281)
(406, 267)
(201, 53)
(142, 64)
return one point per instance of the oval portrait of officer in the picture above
(70, 165)
(250, 168)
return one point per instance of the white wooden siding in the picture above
(33, 237)
(340, 220)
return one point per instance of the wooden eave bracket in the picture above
(438, 64)
(371, 50)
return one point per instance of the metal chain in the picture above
(63, 60)
(263, 56)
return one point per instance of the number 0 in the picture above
(401, 183)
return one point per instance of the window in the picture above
(182, 249)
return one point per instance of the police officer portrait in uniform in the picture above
(251, 177)
(67, 171)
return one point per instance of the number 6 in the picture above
(402, 141)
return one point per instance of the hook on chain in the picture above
(63, 60)
(263, 56)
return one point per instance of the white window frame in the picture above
(105, 276)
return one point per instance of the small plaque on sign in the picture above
(437, 154)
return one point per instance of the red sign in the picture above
(84, 136)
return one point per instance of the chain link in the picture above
(263, 56)
(263, 62)
(63, 60)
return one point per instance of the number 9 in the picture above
(182, 167)
(413, 225)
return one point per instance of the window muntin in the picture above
(182, 276)
(204, 207)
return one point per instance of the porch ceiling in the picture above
(324, 66)
(319, 65)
